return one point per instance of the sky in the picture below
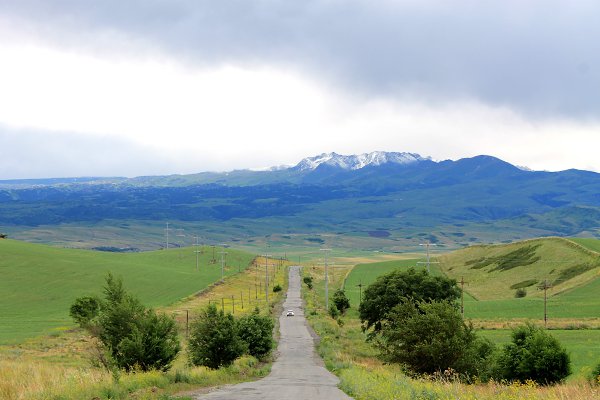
(156, 87)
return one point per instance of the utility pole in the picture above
(545, 286)
(167, 233)
(462, 296)
(213, 260)
(266, 256)
(428, 261)
(197, 254)
(326, 279)
(179, 233)
(222, 253)
(360, 285)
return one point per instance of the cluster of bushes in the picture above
(217, 339)
(413, 319)
(133, 337)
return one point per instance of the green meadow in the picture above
(489, 271)
(39, 283)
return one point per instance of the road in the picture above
(297, 373)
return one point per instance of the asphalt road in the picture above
(298, 372)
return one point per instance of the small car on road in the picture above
(290, 313)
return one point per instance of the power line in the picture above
(428, 261)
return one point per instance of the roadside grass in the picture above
(59, 367)
(364, 376)
(39, 283)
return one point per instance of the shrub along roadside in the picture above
(131, 336)
(217, 339)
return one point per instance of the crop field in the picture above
(39, 283)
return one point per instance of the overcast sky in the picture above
(146, 87)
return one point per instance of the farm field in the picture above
(573, 307)
(39, 283)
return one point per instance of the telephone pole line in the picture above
(427, 245)
(167, 233)
(197, 253)
(326, 278)
(222, 253)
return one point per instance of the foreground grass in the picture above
(58, 367)
(364, 377)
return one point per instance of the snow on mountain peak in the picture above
(354, 162)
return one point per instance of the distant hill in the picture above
(497, 271)
(373, 201)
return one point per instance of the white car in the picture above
(290, 313)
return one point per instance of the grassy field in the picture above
(364, 377)
(592, 244)
(58, 366)
(39, 283)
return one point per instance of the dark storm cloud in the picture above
(538, 57)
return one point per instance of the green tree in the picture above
(257, 332)
(134, 337)
(214, 339)
(429, 337)
(308, 280)
(533, 354)
(85, 309)
(341, 301)
(399, 286)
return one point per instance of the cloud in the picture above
(537, 57)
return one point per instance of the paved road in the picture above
(298, 372)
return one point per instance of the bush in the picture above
(257, 332)
(277, 288)
(594, 376)
(533, 355)
(131, 336)
(399, 286)
(333, 311)
(432, 337)
(341, 301)
(520, 293)
(214, 339)
(84, 310)
(308, 280)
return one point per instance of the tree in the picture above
(534, 355)
(133, 336)
(341, 301)
(214, 339)
(85, 309)
(257, 332)
(428, 337)
(308, 280)
(399, 286)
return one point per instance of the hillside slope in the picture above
(496, 271)
(39, 283)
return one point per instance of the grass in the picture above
(565, 263)
(39, 283)
(58, 366)
(364, 377)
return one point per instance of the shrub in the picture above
(131, 336)
(520, 293)
(308, 280)
(431, 337)
(341, 300)
(333, 311)
(257, 332)
(533, 355)
(399, 286)
(594, 376)
(277, 288)
(84, 310)
(214, 340)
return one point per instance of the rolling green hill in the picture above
(495, 272)
(39, 282)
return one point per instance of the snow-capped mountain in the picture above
(354, 162)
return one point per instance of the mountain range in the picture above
(374, 201)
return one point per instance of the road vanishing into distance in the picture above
(298, 372)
